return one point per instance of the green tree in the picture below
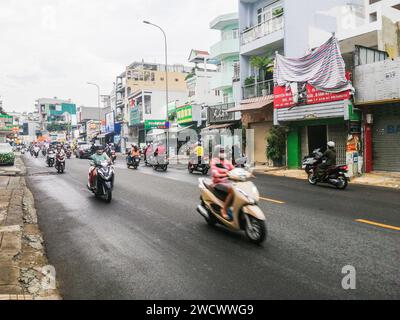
(276, 144)
(263, 64)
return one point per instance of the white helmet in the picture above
(331, 144)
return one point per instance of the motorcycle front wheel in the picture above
(312, 179)
(256, 230)
(108, 196)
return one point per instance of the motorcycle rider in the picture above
(99, 156)
(330, 160)
(135, 152)
(60, 151)
(219, 170)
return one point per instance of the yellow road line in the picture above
(378, 224)
(272, 200)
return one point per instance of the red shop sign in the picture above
(282, 98)
(315, 96)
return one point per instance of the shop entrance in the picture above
(317, 138)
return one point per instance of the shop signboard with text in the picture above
(184, 114)
(155, 124)
(283, 97)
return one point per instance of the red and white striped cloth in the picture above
(324, 69)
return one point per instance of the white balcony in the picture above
(262, 35)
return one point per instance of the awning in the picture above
(218, 126)
(254, 104)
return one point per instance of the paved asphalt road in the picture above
(150, 243)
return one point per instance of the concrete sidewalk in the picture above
(23, 264)
(377, 179)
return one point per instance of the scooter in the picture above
(36, 152)
(50, 158)
(336, 175)
(105, 176)
(198, 165)
(68, 153)
(60, 163)
(246, 214)
(159, 162)
(133, 162)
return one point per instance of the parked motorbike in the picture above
(246, 214)
(50, 160)
(104, 180)
(133, 162)
(336, 175)
(60, 163)
(310, 160)
(198, 165)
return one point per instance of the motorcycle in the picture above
(50, 158)
(336, 175)
(36, 152)
(60, 163)
(104, 181)
(198, 165)
(132, 162)
(68, 153)
(159, 162)
(310, 160)
(246, 214)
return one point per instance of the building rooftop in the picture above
(224, 20)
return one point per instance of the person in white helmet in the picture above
(330, 159)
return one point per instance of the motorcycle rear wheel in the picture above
(343, 183)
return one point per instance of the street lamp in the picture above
(98, 101)
(166, 74)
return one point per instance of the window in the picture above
(153, 76)
(373, 17)
(267, 13)
(147, 104)
(235, 33)
(226, 97)
(146, 76)
(135, 75)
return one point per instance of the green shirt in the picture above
(99, 158)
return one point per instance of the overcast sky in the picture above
(53, 47)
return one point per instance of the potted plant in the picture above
(276, 145)
(277, 12)
(263, 65)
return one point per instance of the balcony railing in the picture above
(259, 89)
(263, 29)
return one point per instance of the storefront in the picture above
(310, 127)
(382, 137)
(257, 115)
(378, 96)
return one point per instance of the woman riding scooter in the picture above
(220, 168)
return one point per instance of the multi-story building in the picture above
(57, 116)
(225, 54)
(291, 29)
(143, 96)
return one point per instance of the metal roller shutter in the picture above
(338, 134)
(386, 141)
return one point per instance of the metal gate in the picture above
(338, 134)
(386, 141)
